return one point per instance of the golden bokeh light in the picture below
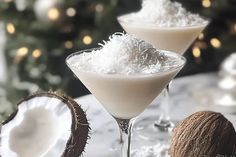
(36, 53)
(70, 12)
(196, 52)
(215, 43)
(206, 3)
(201, 36)
(53, 14)
(87, 40)
(20, 54)
(22, 51)
(68, 44)
(10, 28)
(235, 27)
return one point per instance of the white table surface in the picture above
(184, 101)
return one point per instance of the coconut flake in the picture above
(124, 54)
(163, 13)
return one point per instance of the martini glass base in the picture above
(164, 125)
(153, 129)
(156, 132)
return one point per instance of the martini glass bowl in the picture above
(175, 39)
(124, 96)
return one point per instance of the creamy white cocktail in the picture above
(125, 96)
(164, 24)
(177, 39)
(125, 75)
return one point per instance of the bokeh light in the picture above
(70, 12)
(10, 28)
(206, 3)
(68, 44)
(215, 43)
(36, 53)
(23, 51)
(196, 52)
(53, 14)
(87, 40)
(99, 8)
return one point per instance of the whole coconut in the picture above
(204, 134)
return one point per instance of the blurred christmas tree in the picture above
(218, 40)
(41, 33)
(39, 36)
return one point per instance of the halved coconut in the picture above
(45, 124)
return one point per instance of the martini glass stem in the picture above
(125, 126)
(164, 119)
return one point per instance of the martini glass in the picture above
(176, 39)
(125, 96)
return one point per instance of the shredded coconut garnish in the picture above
(164, 13)
(124, 54)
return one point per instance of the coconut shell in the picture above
(204, 134)
(79, 129)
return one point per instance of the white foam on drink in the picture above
(125, 54)
(163, 13)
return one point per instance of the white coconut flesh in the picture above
(41, 128)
